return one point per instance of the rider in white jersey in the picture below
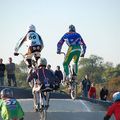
(34, 43)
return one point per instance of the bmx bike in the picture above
(40, 96)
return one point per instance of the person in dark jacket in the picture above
(59, 75)
(2, 71)
(104, 93)
(86, 84)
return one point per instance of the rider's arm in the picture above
(59, 44)
(83, 45)
(41, 41)
(110, 111)
(23, 40)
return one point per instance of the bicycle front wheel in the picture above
(43, 115)
(73, 90)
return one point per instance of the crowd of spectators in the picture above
(9, 68)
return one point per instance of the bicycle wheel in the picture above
(43, 114)
(73, 90)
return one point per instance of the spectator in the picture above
(10, 68)
(92, 91)
(49, 68)
(59, 75)
(104, 93)
(2, 71)
(86, 84)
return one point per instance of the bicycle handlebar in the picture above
(16, 54)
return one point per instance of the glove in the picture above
(16, 54)
(106, 117)
(21, 119)
(82, 55)
(58, 52)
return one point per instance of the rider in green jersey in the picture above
(9, 107)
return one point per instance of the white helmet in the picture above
(116, 96)
(42, 62)
(32, 28)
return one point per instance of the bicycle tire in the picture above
(43, 114)
(73, 92)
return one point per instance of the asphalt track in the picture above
(61, 107)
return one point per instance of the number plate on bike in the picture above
(47, 85)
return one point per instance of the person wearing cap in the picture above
(34, 43)
(76, 48)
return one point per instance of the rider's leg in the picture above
(41, 100)
(66, 63)
(35, 101)
(72, 53)
(37, 56)
(76, 58)
(29, 60)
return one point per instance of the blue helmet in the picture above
(72, 28)
(116, 96)
(6, 92)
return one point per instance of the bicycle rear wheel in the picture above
(73, 90)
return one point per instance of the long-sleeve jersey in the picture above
(113, 109)
(31, 39)
(72, 39)
(10, 108)
(42, 74)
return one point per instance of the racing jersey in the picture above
(10, 109)
(114, 109)
(42, 76)
(71, 39)
(31, 39)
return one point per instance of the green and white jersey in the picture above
(10, 109)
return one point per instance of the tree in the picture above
(21, 74)
(92, 66)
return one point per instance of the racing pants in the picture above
(72, 53)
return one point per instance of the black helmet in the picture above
(6, 92)
(72, 28)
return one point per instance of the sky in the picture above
(98, 22)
